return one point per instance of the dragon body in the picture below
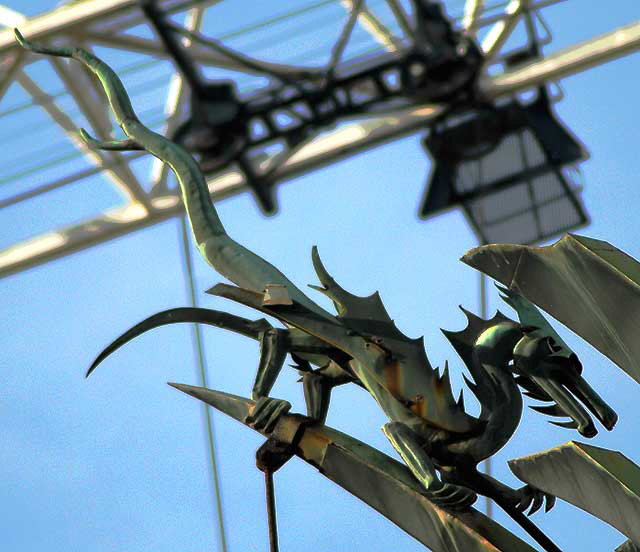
(439, 441)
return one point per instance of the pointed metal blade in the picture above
(602, 482)
(232, 405)
(378, 480)
(587, 284)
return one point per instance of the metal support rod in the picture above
(501, 31)
(488, 507)
(10, 67)
(378, 30)
(199, 351)
(472, 11)
(271, 511)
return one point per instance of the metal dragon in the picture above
(438, 440)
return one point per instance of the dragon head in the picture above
(549, 371)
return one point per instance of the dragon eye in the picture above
(553, 346)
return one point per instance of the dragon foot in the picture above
(266, 413)
(529, 497)
(450, 496)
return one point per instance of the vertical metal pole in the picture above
(199, 351)
(271, 511)
(483, 314)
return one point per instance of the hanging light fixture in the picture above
(505, 165)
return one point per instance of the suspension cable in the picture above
(199, 351)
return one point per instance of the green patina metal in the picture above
(376, 479)
(439, 441)
(603, 482)
(589, 285)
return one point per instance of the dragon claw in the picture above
(551, 501)
(266, 413)
(532, 499)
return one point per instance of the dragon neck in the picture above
(497, 390)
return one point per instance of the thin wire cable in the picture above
(199, 350)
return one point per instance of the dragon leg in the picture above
(406, 442)
(274, 346)
(317, 384)
(317, 394)
(522, 499)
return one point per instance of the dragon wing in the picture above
(589, 285)
(408, 375)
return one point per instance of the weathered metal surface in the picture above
(628, 546)
(587, 284)
(429, 429)
(602, 482)
(375, 478)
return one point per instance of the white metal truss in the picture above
(94, 23)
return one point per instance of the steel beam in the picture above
(342, 143)
(375, 27)
(12, 66)
(500, 32)
(61, 20)
(84, 15)
(591, 53)
(472, 11)
(401, 17)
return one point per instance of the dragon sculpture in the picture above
(438, 440)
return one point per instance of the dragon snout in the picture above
(557, 377)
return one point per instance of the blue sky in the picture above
(118, 462)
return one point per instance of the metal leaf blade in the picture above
(381, 482)
(602, 482)
(587, 284)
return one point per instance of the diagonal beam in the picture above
(378, 30)
(472, 11)
(130, 189)
(401, 17)
(501, 31)
(12, 66)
